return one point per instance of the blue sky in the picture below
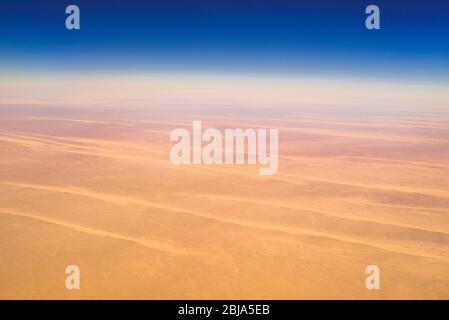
(234, 36)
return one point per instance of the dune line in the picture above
(74, 142)
(400, 189)
(440, 211)
(122, 124)
(336, 215)
(91, 151)
(338, 121)
(414, 164)
(241, 223)
(97, 232)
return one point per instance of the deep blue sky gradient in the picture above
(234, 35)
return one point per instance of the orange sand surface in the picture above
(98, 190)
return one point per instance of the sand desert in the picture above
(96, 188)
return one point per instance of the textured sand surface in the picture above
(99, 191)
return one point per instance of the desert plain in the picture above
(96, 188)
